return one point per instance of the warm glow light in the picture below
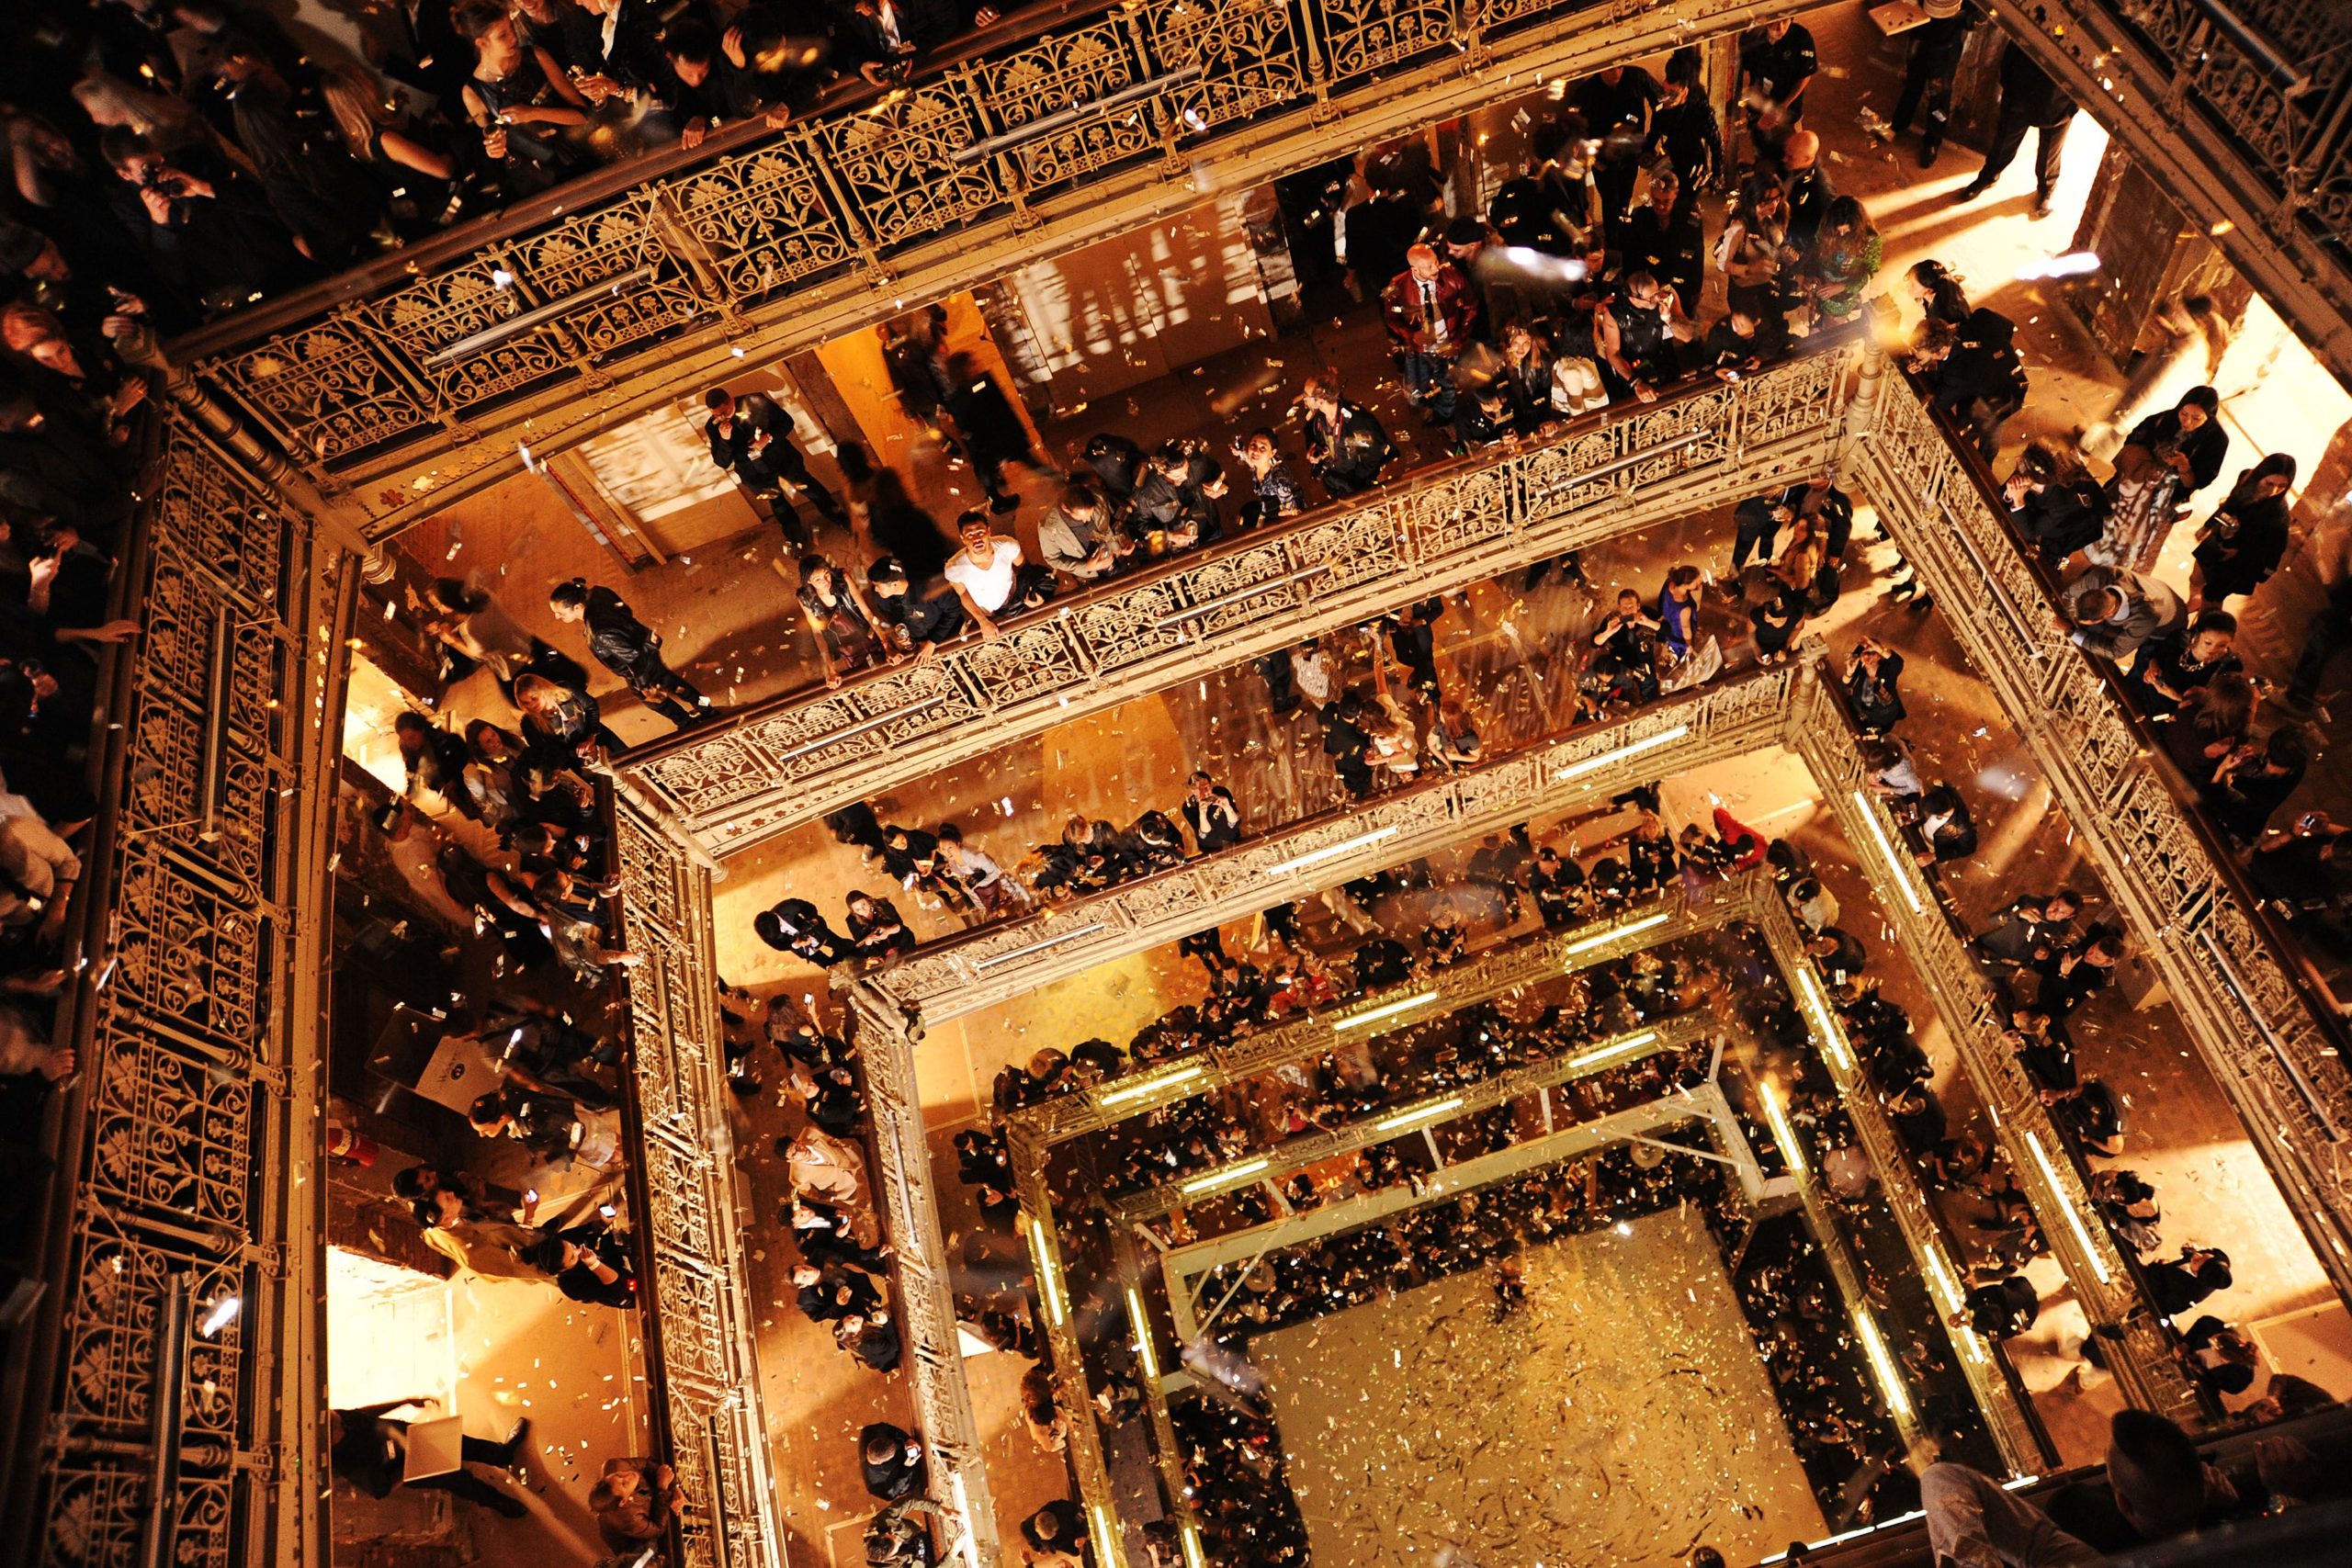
(1049, 1281)
(1104, 1542)
(1832, 1038)
(1890, 1383)
(1886, 852)
(2073, 1218)
(1145, 1350)
(1632, 749)
(1194, 1556)
(1648, 923)
(1385, 1009)
(1153, 1086)
(1631, 1044)
(1316, 857)
(1783, 1133)
(1225, 1178)
(1418, 1114)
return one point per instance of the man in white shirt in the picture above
(989, 576)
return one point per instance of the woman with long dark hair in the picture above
(2242, 543)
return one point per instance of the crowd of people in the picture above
(200, 154)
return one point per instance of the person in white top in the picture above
(987, 577)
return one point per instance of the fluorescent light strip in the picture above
(1605, 938)
(1783, 1133)
(1886, 852)
(1833, 1043)
(1386, 1009)
(1050, 1284)
(2073, 1217)
(1418, 1114)
(1145, 1350)
(1855, 1534)
(1194, 1557)
(1632, 749)
(1631, 1044)
(965, 1547)
(1056, 941)
(1328, 852)
(1153, 1086)
(1890, 1383)
(1105, 1544)
(1226, 1178)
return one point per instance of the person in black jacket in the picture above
(2176, 1284)
(890, 1460)
(435, 761)
(1683, 128)
(1346, 741)
(875, 930)
(2029, 101)
(1665, 238)
(1344, 443)
(1872, 686)
(2242, 543)
(990, 426)
(2187, 438)
(629, 649)
(1950, 833)
(795, 927)
(1973, 373)
(2169, 667)
(1209, 811)
(2054, 505)
(1936, 47)
(588, 1264)
(752, 437)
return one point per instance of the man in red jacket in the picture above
(1432, 313)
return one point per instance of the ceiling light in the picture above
(1632, 749)
(1386, 1009)
(1316, 857)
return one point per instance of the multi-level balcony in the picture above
(382, 401)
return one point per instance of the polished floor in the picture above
(1624, 1416)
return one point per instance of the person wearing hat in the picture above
(1936, 46)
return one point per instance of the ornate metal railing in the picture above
(2104, 1278)
(920, 1263)
(691, 1233)
(1985, 1362)
(163, 1398)
(1456, 522)
(2248, 109)
(522, 328)
(959, 975)
(2263, 1027)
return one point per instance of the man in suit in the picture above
(1431, 314)
(2112, 613)
(751, 437)
(2029, 101)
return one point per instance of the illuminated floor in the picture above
(1623, 1416)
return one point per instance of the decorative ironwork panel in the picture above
(703, 1314)
(763, 218)
(1360, 35)
(735, 783)
(180, 1121)
(1248, 51)
(897, 163)
(1069, 70)
(329, 389)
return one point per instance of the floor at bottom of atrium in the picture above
(1622, 1415)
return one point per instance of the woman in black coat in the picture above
(2242, 543)
(1873, 686)
(990, 427)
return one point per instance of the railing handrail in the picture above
(1241, 541)
(2318, 999)
(1432, 781)
(846, 96)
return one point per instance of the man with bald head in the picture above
(1809, 190)
(1429, 312)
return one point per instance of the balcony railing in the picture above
(2105, 1278)
(543, 322)
(1440, 528)
(2264, 1023)
(959, 975)
(2249, 107)
(690, 1224)
(160, 1400)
